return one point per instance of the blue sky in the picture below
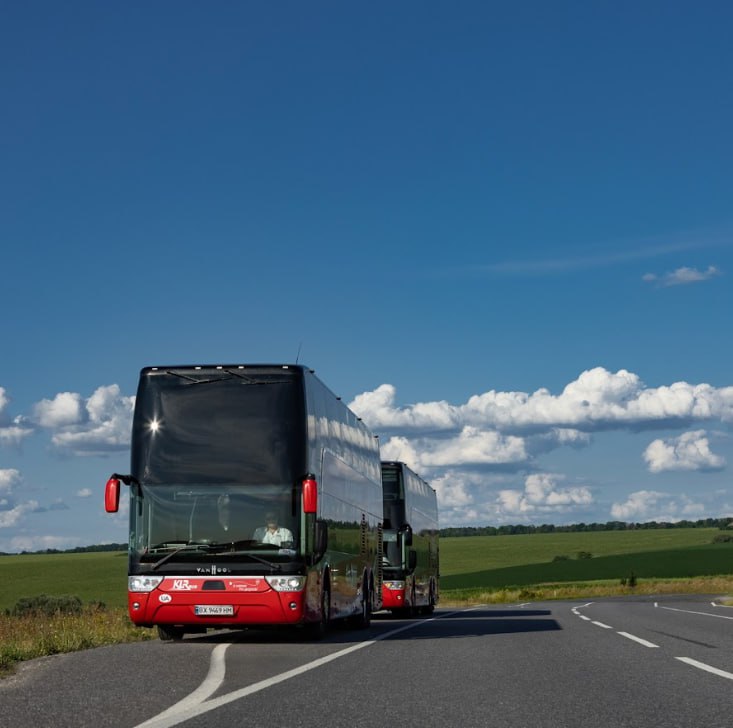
(504, 234)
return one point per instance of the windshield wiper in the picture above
(235, 548)
(193, 380)
(186, 547)
(252, 380)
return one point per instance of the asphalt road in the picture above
(642, 662)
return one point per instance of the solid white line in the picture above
(212, 682)
(600, 624)
(583, 617)
(186, 709)
(704, 614)
(707, 668)
(637, 639)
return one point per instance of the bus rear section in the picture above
(229, 502)
(411, 546)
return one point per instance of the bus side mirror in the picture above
(112, 495)
(407, 535)
(320, 541)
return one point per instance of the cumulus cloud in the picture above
(11, 516)
(84, 493)
(463, 448)
(93, 426)
(689, 451)
(12, 431)
(9, 478)
(652, 505)
(682, 276)
(542, 494)
(64, 410)
(40, 543)
(597, 400)
(472, 447)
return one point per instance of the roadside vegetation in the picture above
(38, 617)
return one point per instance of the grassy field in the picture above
(495, 562)
(480, 569)
(94, 577)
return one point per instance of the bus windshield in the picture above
(198, 520)
(216, 453)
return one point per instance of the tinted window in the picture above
(214, 427)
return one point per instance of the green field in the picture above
(94, 577)
(495, 562)
(471, 562)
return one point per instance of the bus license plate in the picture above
(213, 610)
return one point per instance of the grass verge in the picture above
(30, 636)
(586, 590)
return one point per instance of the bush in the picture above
(585, 555)
(561, 557)
(44, 605)
(723, 538)
(630, 582)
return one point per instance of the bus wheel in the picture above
(168, 633)
(429, 608)
(317, 630)
(364, 618)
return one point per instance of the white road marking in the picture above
(704, 614)
(637, 639)
(707, 668)
(214, 678)
(190, 707)
(584, 618)
(600, 624)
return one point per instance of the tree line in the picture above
(512, 530)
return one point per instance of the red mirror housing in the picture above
(112, 495)
(310, 494)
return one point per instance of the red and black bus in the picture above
(411, 548)
(255, 499)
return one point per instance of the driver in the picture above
(272, 533)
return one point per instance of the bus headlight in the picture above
(394, 585)
(143, 583)
(286, 583)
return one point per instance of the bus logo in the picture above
(213, 569)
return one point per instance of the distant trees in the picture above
(722, 523)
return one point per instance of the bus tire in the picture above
(318, 630)
(364, 618)
(168, 633)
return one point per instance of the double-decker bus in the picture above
(255, 499)
(411, 549)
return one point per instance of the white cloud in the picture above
(682, 276)
(453, 490)
(12, 432)
(652, 505)
(9, 478)
(65, 409)
(542, 494)
(40, 543)
(473, 447)
(597, 400)
(12, 516)
(465, 447)
(689, 451)
(84, 493)
(94, 426)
